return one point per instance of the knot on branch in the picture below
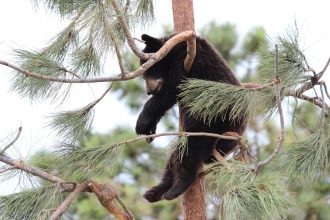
(104, 192)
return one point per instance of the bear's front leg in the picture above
(152, 111)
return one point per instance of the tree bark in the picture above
(183, 15)
(193, 201)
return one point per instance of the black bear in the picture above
(162, 81)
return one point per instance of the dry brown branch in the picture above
(65, 204)
(13, 141)
(280, 111)
(191, 52)
(106, 195)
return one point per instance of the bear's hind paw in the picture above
(153, 195)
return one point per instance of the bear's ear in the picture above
(152, 42)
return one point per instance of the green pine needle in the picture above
(90, 161)
(72, 125)
(86, 60)
(145, 11)
(179, 144)
(246, 196)
(36, 89)
(209, 100)
(308, 161)
(62, 43)
(38, 204)
(64, 8)
(291, 61)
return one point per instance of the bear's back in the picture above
(209, 65)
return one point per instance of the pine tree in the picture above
(77, 55)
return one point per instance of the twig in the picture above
(128, 35)
(226, 137)
(320, 74)
(322, 83)
(256, 86)
(88, 107)
(13, 141)
(280, 111)
(120, 201)
(65, 204)
(120, 61)
(3, 170)
(137, 39)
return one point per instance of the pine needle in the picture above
(72, 125)
(145, 11)
(209, 100)
(86, 60)
(246, 196)
(179, 144)
(36, 89)
(90, 161)
(38, 203)
(307, 161)
(292, 68)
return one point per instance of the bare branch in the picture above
(280, 111)
(324, 69)
(5, 169)
(120, 62)
(191, 52)
(65, 204)
(19, 164)
(13, 141)
(314, 100)
(128, 35)
(226, 137)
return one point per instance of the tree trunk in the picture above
(193, 201)
(183, 15)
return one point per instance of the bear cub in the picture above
(162, 81)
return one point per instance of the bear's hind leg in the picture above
(185, 171)
(155, 193)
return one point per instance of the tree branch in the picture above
(5, 169)
(65, 204)
(226, 137)
(166, 48)
(106, 194)
(128, 35)
(191, 52)
(13, 141)
(19, 164)
(280, 111)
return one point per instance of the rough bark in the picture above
(193, 201)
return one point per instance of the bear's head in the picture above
(158, 74)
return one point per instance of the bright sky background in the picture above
(24, 27)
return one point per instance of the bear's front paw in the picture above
(145, 127)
